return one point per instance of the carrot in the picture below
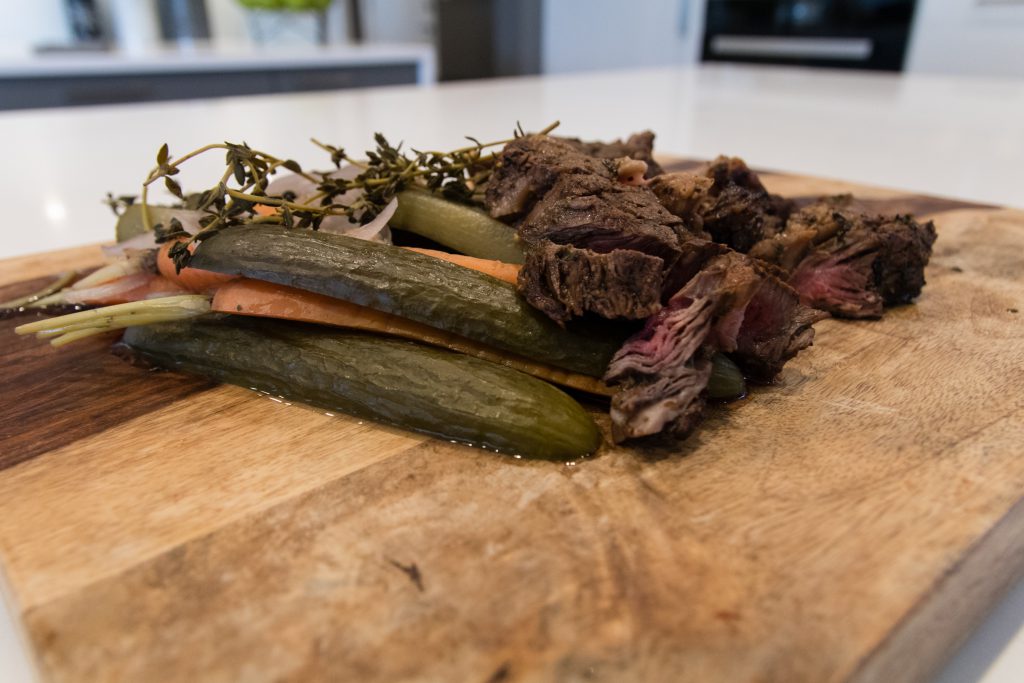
(192, 279)
(264, 299)
(496, 269)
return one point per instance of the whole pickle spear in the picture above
(411, 285)
(396, 382)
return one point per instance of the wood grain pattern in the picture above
(850, 523)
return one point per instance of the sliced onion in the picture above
(375, 231)
(128, 263)
(146, 240)
(120, 288)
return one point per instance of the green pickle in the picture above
(392, 381)
(414, 286)
(463, 228)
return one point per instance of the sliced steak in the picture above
(601, 214)
(726, 200)
(617, 238)
(775, 327)
(684, 195)
(639, 146)
(527, 168)
(839, 260)
(564, 281)
(856, 264)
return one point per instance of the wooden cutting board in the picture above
(851, 523)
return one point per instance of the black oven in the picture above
(859, 34)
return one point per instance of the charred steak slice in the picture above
(775, 327)
(601, 214)
(527, 168)
(616, 239)
(639, 146)
(684, 195)
(839, 260)
(726, 200)
(564, 281)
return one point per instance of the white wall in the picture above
(227, 22)
(398, 21)
(968, 37)
(27, 23)
(581, 35)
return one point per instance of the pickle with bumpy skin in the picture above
(413, 286)
(396, 382)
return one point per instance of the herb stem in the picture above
(272, 201)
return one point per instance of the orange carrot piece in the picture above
(192, 279)
(264, 299)
(496, 269)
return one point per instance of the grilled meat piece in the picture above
(564, 281)
(856, 263)
(839, 260)
(684, 195)
(726, 200)
(734, 305)
(622, 240)
(599, 213)
(775, 326)
(527, 168)
(639, 146)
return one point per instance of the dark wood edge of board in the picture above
(964, 595)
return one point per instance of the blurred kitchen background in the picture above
(75, 52)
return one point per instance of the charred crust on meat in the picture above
(840, 260)
(710, 261)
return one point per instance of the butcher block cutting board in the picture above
(851, 523)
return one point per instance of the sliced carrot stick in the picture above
(496, 269)
(264, 299)
(192, 279)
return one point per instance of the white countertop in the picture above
(946, 136)
(207, 59)
(936, 135)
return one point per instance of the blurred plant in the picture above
(287, 5)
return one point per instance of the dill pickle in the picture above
(414, 286)
(396, 382)
(726, 381)
(457, 226)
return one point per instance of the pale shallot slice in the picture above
(375, 231)
(129, 288)
(129, 262)
(304, 190)
(146, 240)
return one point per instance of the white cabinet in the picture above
(581, 35)
(977, 37)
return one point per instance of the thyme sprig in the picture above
(386, 171)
